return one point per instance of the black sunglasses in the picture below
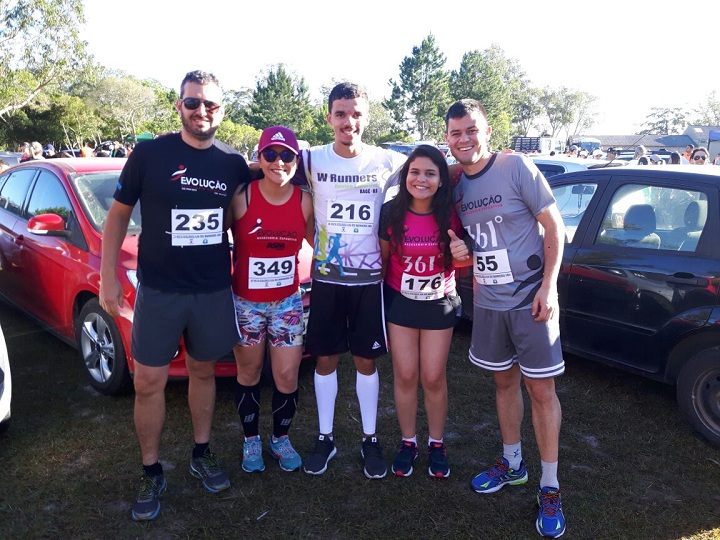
(271, 155)
(700, 157)
(192, 103)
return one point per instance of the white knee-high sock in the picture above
(368, 390)
(326, 389)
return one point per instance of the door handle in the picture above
(684, 278)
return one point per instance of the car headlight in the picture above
(132, 277)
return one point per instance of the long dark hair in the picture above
(441, 203)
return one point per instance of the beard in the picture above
(199, 134)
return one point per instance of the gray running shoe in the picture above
(147, 503)
(207, 469)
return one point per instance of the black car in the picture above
(640, 278)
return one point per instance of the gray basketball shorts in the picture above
(502, 338)
(205, 320)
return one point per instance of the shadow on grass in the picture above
(629, 467)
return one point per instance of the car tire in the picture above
(698, 393)
(101, 349)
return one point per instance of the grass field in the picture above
(629, 467)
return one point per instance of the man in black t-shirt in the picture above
(185, 183)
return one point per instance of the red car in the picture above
(52, 213)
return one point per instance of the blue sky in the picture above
(633, 56)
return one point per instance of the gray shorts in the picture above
(501, 338)
(206, 321)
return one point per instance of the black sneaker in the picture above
(406, 456)
(437, 455)
(316, 463)
(207, 469)
(147, 503)
(372, 455)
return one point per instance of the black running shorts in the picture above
(344, 317)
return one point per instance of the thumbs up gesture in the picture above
(458, 248)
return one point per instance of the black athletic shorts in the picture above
(345, 317)
(422, 314)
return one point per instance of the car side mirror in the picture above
(48, 225)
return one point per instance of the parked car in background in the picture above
(5, 384)
(52, 214)
(13, 158)
(550, 166)
(640, 278)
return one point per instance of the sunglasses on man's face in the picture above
(271, 155)
(192, 103)
(700, 157)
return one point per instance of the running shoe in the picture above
(316, 463)
(404, 459)
(551, 520)
(283, 451)
(437, 455)
(499, 475)
(207, 469)
(252, 460)
(372, 454)
(147, 503)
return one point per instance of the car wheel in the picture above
(101, 349)
(698, 393)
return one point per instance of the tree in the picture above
(480, 77)
(527, 110)
(237, 103)
(382, 128)
(240, 137)
(280, 99)
(582, 105)
(709, 113)
(320, 131)
(419, 101)
(664, 121)
(555, 106)
(40, 48)
(123, 103)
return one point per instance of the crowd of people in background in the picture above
(35, 151)
(641, 156)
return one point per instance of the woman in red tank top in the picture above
(271, 217)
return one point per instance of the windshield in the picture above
(95, 191)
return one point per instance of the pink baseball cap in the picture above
(278, 135)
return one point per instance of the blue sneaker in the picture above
(147, 503)
(284, 452)
(551, 520)
(500, 474)
(252, 460)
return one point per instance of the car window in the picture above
(49, 197)
(95, 191)
(550, 170)
(654, 217)
(12, 195)
(572, 201)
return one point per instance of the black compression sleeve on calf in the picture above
(284, 406)
(247, 404)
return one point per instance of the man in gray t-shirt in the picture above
(515, 248)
